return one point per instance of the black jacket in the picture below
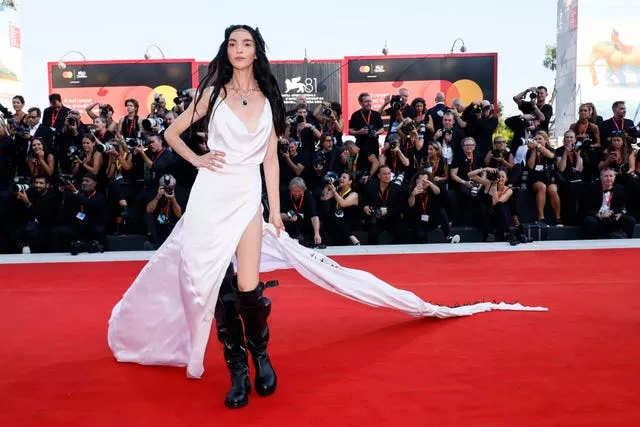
(593, 199)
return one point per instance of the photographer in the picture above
(162, 212)
(425, 211)
(570, 165)
(325, 159)
(39, 161)
(121, 182)
(359, 161)
(617, 156)
(604, 203)
(414, 149)
(343, 214)
(588, 137)
(438, 111)
(394, 157)
(618, 123)
(130, 125)
(54, 115)
(90, 161)
(158, 107)
(383, 205)
(70, 136)
(449, 137)
(100, 130)
(481, 124)
(36, 130)
(301, 128)
(500, 157)
(86, 229)
(329, 118)
(524, 127)
(299, 213)
(399, 109)
(536, 105)
(423, 121)
(457, 108)
(182, 101)
(36, 216)
(291, 163)
(366, 125)
(106, 112)
(541, 180)
(18, 118)
(465, 190)
(495, 198)
(157, 157)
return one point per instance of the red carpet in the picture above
(342, 363)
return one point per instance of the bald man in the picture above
(437, 111)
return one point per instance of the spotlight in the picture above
(62, 65)
(306, 57)
(385, 49)
(463, 48)
(147, 55)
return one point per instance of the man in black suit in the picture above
(55, 115)
(605, 209)
(617, 123)
(438, 111)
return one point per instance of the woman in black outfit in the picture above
(343, 214)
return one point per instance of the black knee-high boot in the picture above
(254, 309)
(231, 335)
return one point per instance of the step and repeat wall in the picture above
(470, 77)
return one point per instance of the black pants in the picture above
(63, 235)
(501, 218)
(33, 235)
(156, 233)
(570, 193)
(594, 227)
(437, 218)
(339, 229)
(394, 225)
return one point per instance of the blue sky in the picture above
(119, 29)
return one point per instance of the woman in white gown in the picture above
(165, 317)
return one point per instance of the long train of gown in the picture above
(165, 317)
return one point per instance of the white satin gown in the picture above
(165, 317)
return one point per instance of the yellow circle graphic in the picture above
(468, 90)
(169, 92)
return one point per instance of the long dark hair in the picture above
(220, 72)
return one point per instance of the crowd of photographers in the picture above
(65, 185)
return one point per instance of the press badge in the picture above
(539, 168)
(424, 218)
(339, 214)
(162, 218)
(81, 216)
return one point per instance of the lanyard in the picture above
(470, 162)
(88, 198)
(355, 162)
(368, 119)
(132, 125)
(423, 202)
(386, 196)
(586, 128)
(610, 196)
(159, 154)
(343, 195)
(501, 192)
(54, 117)
(616, 124)
(299, 207)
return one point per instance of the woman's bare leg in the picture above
(248, 254)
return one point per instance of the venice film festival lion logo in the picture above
(298, 86)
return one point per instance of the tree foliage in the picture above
(550, 62)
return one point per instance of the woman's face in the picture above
(327, 143)
(616, 143)
(584, 112)
(431, 150)
(345, 180)
(131, 108)
(241, 49)
(17, 105)
(502, 177)
(100, 125)
(540, 140)
(569, 139)
(293, 148)
(87, 145)
(36, 146)
(419, 108)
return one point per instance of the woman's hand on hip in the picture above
(213, 160)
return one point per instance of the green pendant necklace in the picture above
(244, 96)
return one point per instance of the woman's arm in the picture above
(97, 164)
(48, 164)
(579, 162)
(596, 135)
(339, 124)
(505, 196)
(561, 162)
(272, 175)
(350, 200)
(90, 112)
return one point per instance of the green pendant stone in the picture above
(244, 102)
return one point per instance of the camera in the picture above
(396, 102)
(493, 176)
(446, 132)
(330, 178)
(71, 121)
(422, 128)
(11, 122)
(104, 112)
(299, 119)
(135, 142)
(20, 183)
(156, 98)
(151, 123)
(284, 146)
(533, 96)
(408, 128)
(327, 112)
(496, 153)
(183, 97)
(65, 179)
(103, 148)
(373, 133)
(318, 158)
(169, 183)
(291, 214)
(477, 108)
(74, 154)
(475, 190)
(22, 130)
(584, 144)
